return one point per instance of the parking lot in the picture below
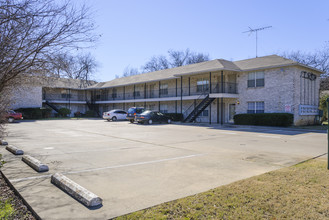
(132, 166)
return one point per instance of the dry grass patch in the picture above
(297, 192)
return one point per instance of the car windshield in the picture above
(139, 110)
(131, 110)
(146, 112)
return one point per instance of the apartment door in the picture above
(231, 112)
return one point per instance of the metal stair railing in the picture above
(204, 93)
(202, 106)
(52, 106)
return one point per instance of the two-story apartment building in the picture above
(212, 91)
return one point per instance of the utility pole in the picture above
(256, 30)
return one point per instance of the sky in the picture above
(132, 31)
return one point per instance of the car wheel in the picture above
(150, 121)
(169, 121)
(114, 118)
(131, 120)
(11, 120)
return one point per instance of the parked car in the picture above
(150, 117)
(12, 116)
(133, 112)
(114, 115)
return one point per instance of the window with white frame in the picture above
(205, 113)
(164, 108)
(202, 85)
(164, 89)
(137, 92)
(65, 94)
(151, 107)
(114, 93)
(256, 79)
(255, 107)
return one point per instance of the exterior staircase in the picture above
(94, 107)
(199, 108)
(52, 106)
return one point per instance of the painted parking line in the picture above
(110, 167)
(227, 132)
(268, 136)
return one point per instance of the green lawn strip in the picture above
(297, 192)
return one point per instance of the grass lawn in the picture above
(297, 192)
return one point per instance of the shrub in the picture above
(175, 116)
(323, 107)
(77, 114)
(90, 113)
(46, 112)
(265, 119)
(64, 112)
(1, 161)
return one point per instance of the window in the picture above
(255, 107)
(256, 79)
(164, 108)
(202, 85)
(66, 96)
(205, 113)
(164, 89)
(114, 93)
(137, 94)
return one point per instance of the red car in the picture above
(12, 116)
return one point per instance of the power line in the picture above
(250, 31)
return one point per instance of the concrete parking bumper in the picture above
(14, 150)
(35, 164)
(3, 142)
(81, 194)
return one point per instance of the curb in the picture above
(14, 150)
(20, 196)
(35, 164)
(79, 193)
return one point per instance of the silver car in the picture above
(115, 114)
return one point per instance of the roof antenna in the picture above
(256, 30)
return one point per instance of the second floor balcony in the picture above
(143, 93)
(228, 88)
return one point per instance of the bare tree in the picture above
(175, 58)
(33, 30)
(318, 59)
(81, 67)
(156, 63)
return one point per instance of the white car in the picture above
(115, 114)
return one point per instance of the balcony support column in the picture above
(176, 90)
(189, 86)
(124, 93)
(209, 112)
(222, 110)
(217, 100)
(181, 94)
(210, 87)
(222, 81)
